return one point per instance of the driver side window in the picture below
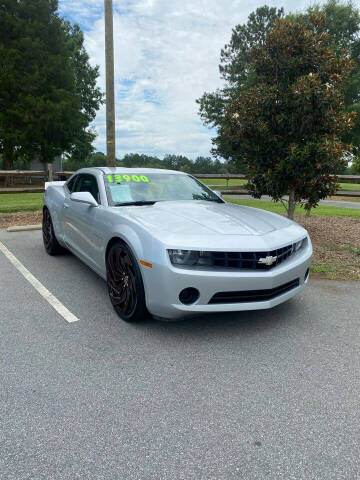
(88, 183)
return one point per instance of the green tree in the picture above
(206, 165)
(45, 109)
(135, 160)
(343, 26)
(355, 168)
(237, 72)
(288, 126)
(97, 159)
(177, 162)
(86, 89)
(12, 47)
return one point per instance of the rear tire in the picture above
(125, 284)
(51, 244)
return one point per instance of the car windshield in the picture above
(142, 189)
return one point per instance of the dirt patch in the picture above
(336, 243)
(24, 218)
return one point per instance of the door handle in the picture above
(66, 205)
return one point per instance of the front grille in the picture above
(254, 295)
(250, 260)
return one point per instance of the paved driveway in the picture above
(263, 395)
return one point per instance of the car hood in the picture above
(206, 218)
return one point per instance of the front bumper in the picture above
(164, 282)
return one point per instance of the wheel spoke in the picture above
(121, 281)
(118, 295)
(47, 229)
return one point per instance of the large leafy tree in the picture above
(343, 26)
(45, 107)
(237, 72)
(15, 56)
(342, 22)
(288, 126)
(87, 90)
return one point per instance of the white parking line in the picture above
(39, 287)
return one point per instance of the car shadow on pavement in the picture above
(247, 322)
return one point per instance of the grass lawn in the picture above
(29, 202)
(323, 210)
(16, 202)
(222, 181)
(350, 186)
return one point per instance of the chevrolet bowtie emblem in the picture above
(267, 260)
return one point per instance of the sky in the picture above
(166, 56)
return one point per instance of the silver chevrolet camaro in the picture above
(168, 245)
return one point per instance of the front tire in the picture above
(125, 284)
(51, 244)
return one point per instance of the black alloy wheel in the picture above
(125, 284)
(51, 244)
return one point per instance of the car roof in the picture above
(120, 170)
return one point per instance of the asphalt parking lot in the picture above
(253, 395)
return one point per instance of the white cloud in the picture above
(166, 56)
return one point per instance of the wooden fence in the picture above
(28, 175)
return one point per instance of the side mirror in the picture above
(218, 193)
(84, 197)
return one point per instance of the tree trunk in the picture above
(8, 156)
(49, 170)
(291, 204)
(8, 162)
(308, 212)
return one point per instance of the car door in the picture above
(81, 234)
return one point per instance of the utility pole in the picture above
(110, 88)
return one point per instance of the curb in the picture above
(24, 228)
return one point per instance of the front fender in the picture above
(127, 234)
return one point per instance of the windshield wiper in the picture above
(139, 203)
(217, 200)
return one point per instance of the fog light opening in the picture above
(306, 274)
(189, 295)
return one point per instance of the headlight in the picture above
(190, 257)
(183, 257)
(300, 244)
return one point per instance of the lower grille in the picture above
(254, 295)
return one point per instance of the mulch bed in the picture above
(336, 243)
(22, 218)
